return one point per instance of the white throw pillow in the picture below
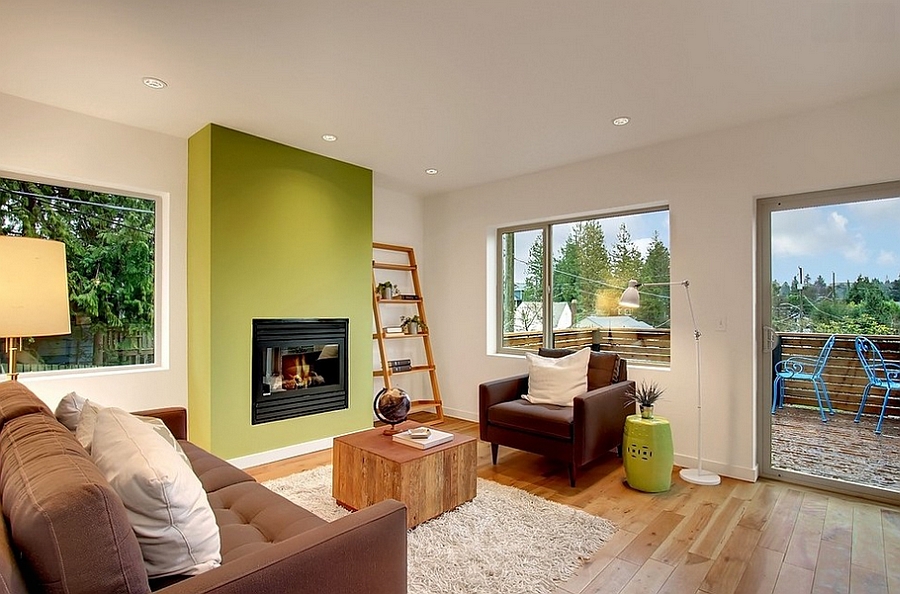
(166, 503)
(559, 380)
(84, 431)
(68, 411)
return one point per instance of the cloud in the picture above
(886, 258)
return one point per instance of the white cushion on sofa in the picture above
(559, 380)
(84, 430)
(68, 411)
(165, 501)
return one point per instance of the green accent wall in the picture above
(273, 232)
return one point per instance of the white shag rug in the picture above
(505, 541)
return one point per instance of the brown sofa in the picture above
(575, 435)
(66, 531)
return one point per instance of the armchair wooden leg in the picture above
(495, 447)
(572, 471)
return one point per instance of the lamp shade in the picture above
(34, 287)
(631, 298)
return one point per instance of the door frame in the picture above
(765, 206)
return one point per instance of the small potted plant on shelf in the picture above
(413, 324)
(385, 290)
(646, 396)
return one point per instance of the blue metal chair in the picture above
(804, 368)
(882, 374)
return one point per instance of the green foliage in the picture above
(867, 309)
(534, 271)
(110, 249)
(655, 305)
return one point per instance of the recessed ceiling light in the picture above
(621, 121)
(154, 83)
(431, 171)
(329, 137)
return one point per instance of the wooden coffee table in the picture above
(369, 467)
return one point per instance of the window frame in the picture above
(546, 228)
(161, 228)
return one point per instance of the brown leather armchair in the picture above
(577, 434)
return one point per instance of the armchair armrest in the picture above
(502, 390)
(599, 418)
(175, 418)
(372, 541)
(495, 392)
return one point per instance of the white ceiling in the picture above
(480, 89)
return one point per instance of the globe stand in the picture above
(392, 407)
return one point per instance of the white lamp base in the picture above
(700, 477)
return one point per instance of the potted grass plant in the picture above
(646, 396)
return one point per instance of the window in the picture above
(560, 283)
(110, 250)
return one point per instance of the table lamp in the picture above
(34, 292)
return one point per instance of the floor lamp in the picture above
(631, 298)
(34, 292)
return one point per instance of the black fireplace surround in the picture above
(299, 367)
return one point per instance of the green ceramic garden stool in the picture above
(648, 454)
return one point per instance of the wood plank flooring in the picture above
(760, 538)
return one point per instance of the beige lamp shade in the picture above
(34, 287)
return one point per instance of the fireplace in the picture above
(299, 367)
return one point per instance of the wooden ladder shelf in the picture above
(381, 336)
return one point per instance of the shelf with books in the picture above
(384, 333)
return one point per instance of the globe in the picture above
(392, 407)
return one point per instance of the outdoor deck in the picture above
(839, 449)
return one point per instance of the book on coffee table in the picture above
(434, 438)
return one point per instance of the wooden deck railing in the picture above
(843, 374)
(643, 346)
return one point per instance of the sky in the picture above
(640, 226)
(849, 240)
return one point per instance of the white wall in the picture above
(397, 219)
(711, 183)
(46, 142)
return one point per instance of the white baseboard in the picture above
(461, 414)
(282, 453)
(738, 472)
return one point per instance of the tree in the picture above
(625, 259)
(110, 252)
(534, 272)
(566, 272)
(509, 282)
(656, 310)
(593, 266)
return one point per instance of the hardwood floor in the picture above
(762, 538)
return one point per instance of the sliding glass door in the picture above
(829, 280)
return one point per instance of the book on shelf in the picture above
(400, 368)
(400, 362)
(407, 297)
(393, 329)
(434, 438)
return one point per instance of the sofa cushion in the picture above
(68, 411)
(11, 581)
(166, 504)
(557, 380)
(252, 518)
(604, 368)
(214, 473)
(17, 400)
(541, 419)
(68, 525)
